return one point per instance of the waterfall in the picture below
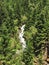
(21, 38)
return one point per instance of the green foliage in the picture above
(13, 14)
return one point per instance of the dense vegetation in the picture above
(13, 14)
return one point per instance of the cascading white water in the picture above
(21, 38)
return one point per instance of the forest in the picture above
(29, 20)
